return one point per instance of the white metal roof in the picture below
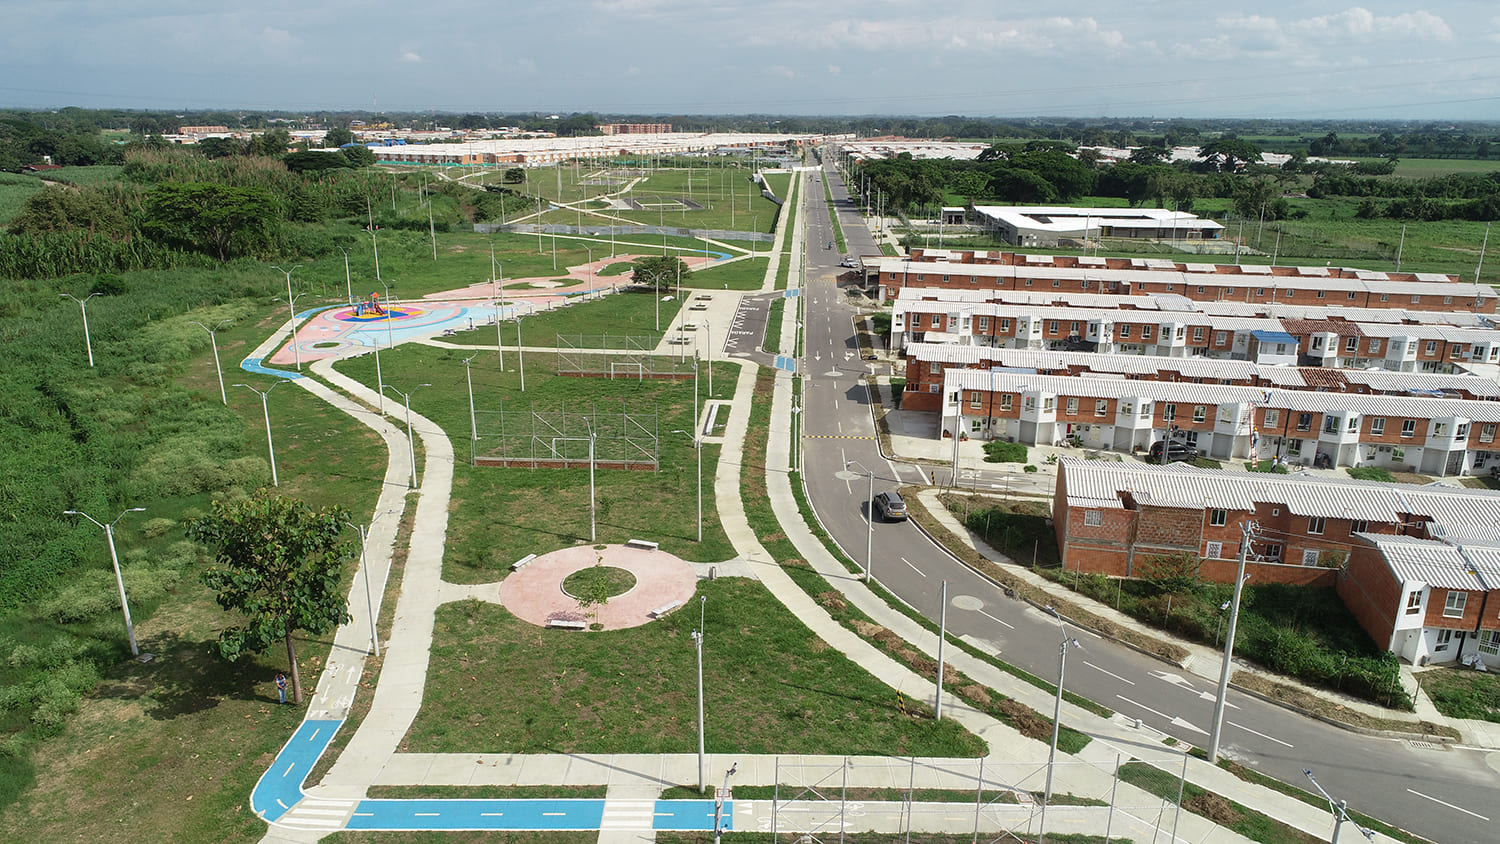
(1439, 564)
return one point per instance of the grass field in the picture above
(497, 684)
(13, 193)
(96, 175)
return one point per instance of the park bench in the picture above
(665, 608)
(567, 624)
(643, 543)
(522, 563)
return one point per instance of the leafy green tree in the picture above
(660, 272)
(1152, 154)
(60, 210)
(315, 160)
(360, 156)
(514, 176)
(277, 561)
(337, 137)
(224, 220)
(1228, 153)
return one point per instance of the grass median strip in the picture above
(1222, 811)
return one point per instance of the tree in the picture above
(660, 272)
(360, 156)
(277, 561)
(514, 175)
(314, 160)
(1228, 153)
(1153, 154)
(337, 137)
(228, 220)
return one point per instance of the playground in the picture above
(371, 322)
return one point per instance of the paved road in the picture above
(1448, 795)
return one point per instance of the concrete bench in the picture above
(678, 341)
(665, 608)
(643, 543)
(698, 306)
(567, 624)
(688, 326)
(522, 563)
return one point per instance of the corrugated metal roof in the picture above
(1440, 564)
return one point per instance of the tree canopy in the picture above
(660, 272)
(225, 220)
(277, 561)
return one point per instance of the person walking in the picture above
(281, 686)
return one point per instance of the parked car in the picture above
(890, 506)
(849, 263)
(1176, 451)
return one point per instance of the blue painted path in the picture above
(786, 362)
(280, 787)
(559, 814)
(791, 294)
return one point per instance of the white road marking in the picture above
(1144, 706)
(1262, 735)
(992, 618)
(1188, 725)
(492, 814)
(1449, 805)
(913, 567)
(426, 814)
(1110, 673)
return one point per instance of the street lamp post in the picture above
(520, 352)
(218, 369)
(698, 644)
(1062, 664)
(1234, 617)
(499, 347)
(83, 306)
(364, 565)
(375, 247)
(473, 426)
(348, 280)
(114, 558)
(869, 514)
(719, 803)
(1339, 808)
(698, 446)
(411, 442)
(291, 311)
(266, 409)
(593, 511)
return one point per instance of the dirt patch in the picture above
(1300, 699)
(1213, 807)
(1025, 719)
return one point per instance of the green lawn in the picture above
(14, 191)
(497, 684)
(1463, 693)
(745, 274)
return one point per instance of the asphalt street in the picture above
(1444, 793)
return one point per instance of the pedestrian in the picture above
(281, 686)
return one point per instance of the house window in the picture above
(1029, 404)
(1453, 605)
(1273, 553)
(1408, 427)
(1315, 524)
(973, 279)
(1462, 432)
(1093, 518)
(1489, 642)
(1169, 412)
(1273, 416)
(1200, 289)
(1219, 338)
(974, 400)
(937, 320)
(1359, 526)
(1004, 325)
(984, 324)
(1416, 300)
(935, 367)
(1294, 448)
(1198, 334)
(1351, 345)
(1101, 407)
(1200, 413)
(1072, 329)
(1444, 639)
(1320, 294)
(1385, 297)
(1377, 426)
(1374, 345)
(1304, 421)
(1145, 332)
(1214, 550)
(1124, 332)
(945, 279)
(1072, 405)
(1353, 424)
(1330, 424)
(1047, 404)
(1217, 518)
(1414, 603)
(1310, 557)
(1005, 401)
(1431, 347)
(1487, 432)
(1351, 295)
(1447, 300)
(1052, 326)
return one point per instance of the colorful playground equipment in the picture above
(370, 303)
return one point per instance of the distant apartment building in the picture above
(1026, 225)
(635, 128)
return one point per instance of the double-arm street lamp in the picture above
(593, 510)
(869, 513)
(697, 446)
(292, 312)
(364, 564)
(114, 558)
(266, 409)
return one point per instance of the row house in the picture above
(1399, 347)
(1390, 549)
(1360, 288)
(1426, 600)
(926, 364)
(1431, 435)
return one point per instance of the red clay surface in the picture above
(535, 593)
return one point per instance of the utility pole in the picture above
(1247, 534)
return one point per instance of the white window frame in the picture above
(1489, 642)
(1213, 551)
(1309, 556)
(1093, 518)
(1315, 525)
(1218, 517)
(1444, 639)
(1414, 602)
(1454, 603)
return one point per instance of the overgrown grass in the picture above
(14, 191)
(497, 684)
(1000, 451)
(1251, 775)
(1371, 473)
(1463, 693)
(774, 317)
(1222, 811)
(833, 216)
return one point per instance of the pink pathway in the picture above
(535, 592)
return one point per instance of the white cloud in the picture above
(1332, 38)
(834, 70)
(411, 57)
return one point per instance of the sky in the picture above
(1439, 60)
